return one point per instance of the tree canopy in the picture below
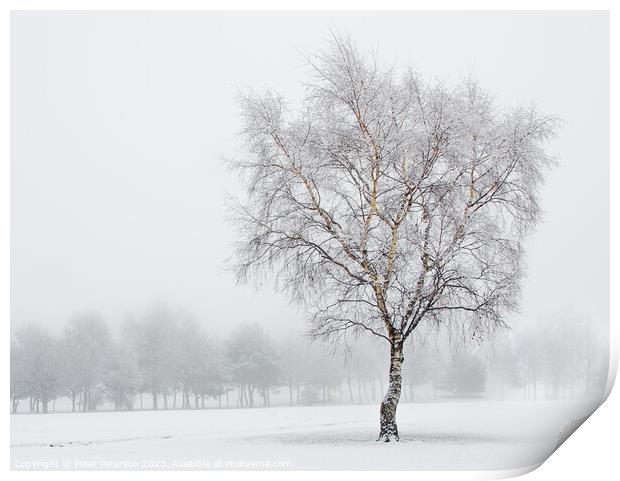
(386, 199)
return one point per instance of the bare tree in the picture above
(19, 375)
(252, 361)
(122, 380)
(37, 366)
(386, 201)
(152, 338)
(86, 345)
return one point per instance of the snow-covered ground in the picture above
(479, 435)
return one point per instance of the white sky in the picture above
(120, 121)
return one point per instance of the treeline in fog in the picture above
(166, 360)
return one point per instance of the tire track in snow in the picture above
(61, 444)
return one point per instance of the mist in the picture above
(131, 319)
(122, 122)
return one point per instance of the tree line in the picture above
(166, 360)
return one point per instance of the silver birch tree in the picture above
(386, 201)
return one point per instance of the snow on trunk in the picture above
(389, 430)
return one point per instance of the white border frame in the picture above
(591, 451)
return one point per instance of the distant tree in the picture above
(531, 346)
(364, 365)
(310, 395)
(293, 365)
(565, 355)
(213, 379)
(252, 361)
(387, 201)
(19, 375)
(86, 345)
(506, 366)
(466, 374)
(72, 370)
(194, 362)
(38, 365)
(123, 379)
(153, 340)
(562, 353)
(597, 365)
(325, 373)
(422, 365)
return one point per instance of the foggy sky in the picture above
(120, 123)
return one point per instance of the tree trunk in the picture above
(250, 396)
(242, 396)
(350, 389)
(389, 431)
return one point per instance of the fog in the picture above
(121, 122)
(165, 360)
(122, 295)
